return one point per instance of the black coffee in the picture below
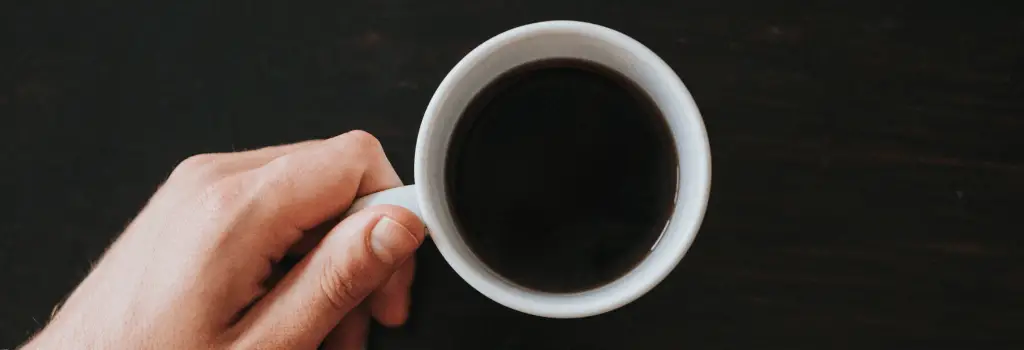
(561, 175)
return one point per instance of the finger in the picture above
(310, 185)
(389, 304)
(214, 166)
(353, 260)
(351, 332)
(246, 160)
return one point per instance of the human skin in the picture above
(194, 269)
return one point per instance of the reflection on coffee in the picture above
(561, 175)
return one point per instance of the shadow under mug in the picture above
(513, 48)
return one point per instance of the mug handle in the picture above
(405, 197)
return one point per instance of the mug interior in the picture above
(564, 39)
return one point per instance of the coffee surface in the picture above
(561, 175)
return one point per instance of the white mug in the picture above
(539, 41)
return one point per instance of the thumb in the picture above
(352, 260)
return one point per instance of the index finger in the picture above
(309, 186)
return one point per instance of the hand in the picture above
(192, 270)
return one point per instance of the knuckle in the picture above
(200, 165)
(276, 176)
(197, 161)
(338, 288)
(363, 140)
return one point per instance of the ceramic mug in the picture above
(513, 48)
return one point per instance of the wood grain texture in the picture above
(868, 156)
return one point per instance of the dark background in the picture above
(868, 156)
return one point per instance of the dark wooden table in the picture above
(868, 157)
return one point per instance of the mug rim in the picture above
(429, 176)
